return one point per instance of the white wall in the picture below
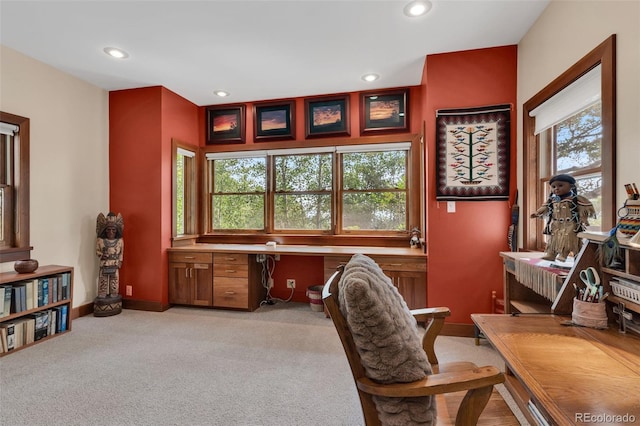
(69, 163)
(564, 33)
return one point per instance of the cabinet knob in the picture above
(231, 271)
(229, 292)
(189, 257)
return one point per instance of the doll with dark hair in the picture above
(567, 214)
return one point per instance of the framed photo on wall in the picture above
(226, 124)
(385, 111)
(327, 116)
(274, 121)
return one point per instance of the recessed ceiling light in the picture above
(221, 93)
(116, 53)
(370, 77)
(417, 8)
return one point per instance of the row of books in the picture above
(26, 295)
(33, 327)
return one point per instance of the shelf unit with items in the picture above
(35, 307)
(622, 281)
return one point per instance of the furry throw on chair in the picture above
(387, 339)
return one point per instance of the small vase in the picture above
(25, 266)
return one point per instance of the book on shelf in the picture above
(53, 289)
(19, 302)
(43, 292)
(8, 290)
(2, 314)
(41, 324)
(61, 318)
(29, 285)
(18, 333)
(53, 321)
(66, 284)
(7, 331)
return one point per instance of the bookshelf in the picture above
(36, 306)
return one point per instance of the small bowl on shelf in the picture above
(25, 266)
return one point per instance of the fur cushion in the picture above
(387, 339)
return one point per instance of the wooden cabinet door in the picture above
(411, 286)
(180, 284)
(202, 278)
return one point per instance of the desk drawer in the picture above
(231, 270)
(231, 292)
(230, 258)
(191, 257)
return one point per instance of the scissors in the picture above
(591, 279)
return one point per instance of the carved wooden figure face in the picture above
(110, 232)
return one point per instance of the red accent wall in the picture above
(463, 261)
(141, 125)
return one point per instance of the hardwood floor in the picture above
(497, 412)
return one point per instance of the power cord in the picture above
(268, 266)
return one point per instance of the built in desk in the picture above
(229, 276)
(566, 375)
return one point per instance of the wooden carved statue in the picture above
(109, 249)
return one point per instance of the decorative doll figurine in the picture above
(567, 214)
(415, 238)
(109, 248)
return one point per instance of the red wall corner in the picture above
(463, 261)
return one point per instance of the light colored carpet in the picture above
(280, 365)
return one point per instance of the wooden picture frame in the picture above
(385, 111)
(274, 121)
(226, 124)
(327, 116)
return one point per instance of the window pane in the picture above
(374, 170)
(239, 175)
(239, 186)
(578, 148)
(591, 187)
(303, 211)
(180, 194)
(238, 211)
(374, 211)
(303, 172)
(579, 141)
(303, 192)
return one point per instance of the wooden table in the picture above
(571, 375)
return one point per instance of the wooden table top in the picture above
(570, 370)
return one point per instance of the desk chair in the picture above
(374, 394)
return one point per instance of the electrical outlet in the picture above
(129, 290)
(270, 283)
(291, 283)
(277, 256)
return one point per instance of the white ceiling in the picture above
(256, 50)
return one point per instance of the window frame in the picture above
(605, 55)
(21, 248)
(190, 183)
(415, 173)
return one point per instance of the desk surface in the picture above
(298, 249)
(569, 371)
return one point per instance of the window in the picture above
(184, 189)
(303, 192)
(237, 192)
(569, 127)
(355, 189)
(14, 188)
(374, 190)
(574, 146)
